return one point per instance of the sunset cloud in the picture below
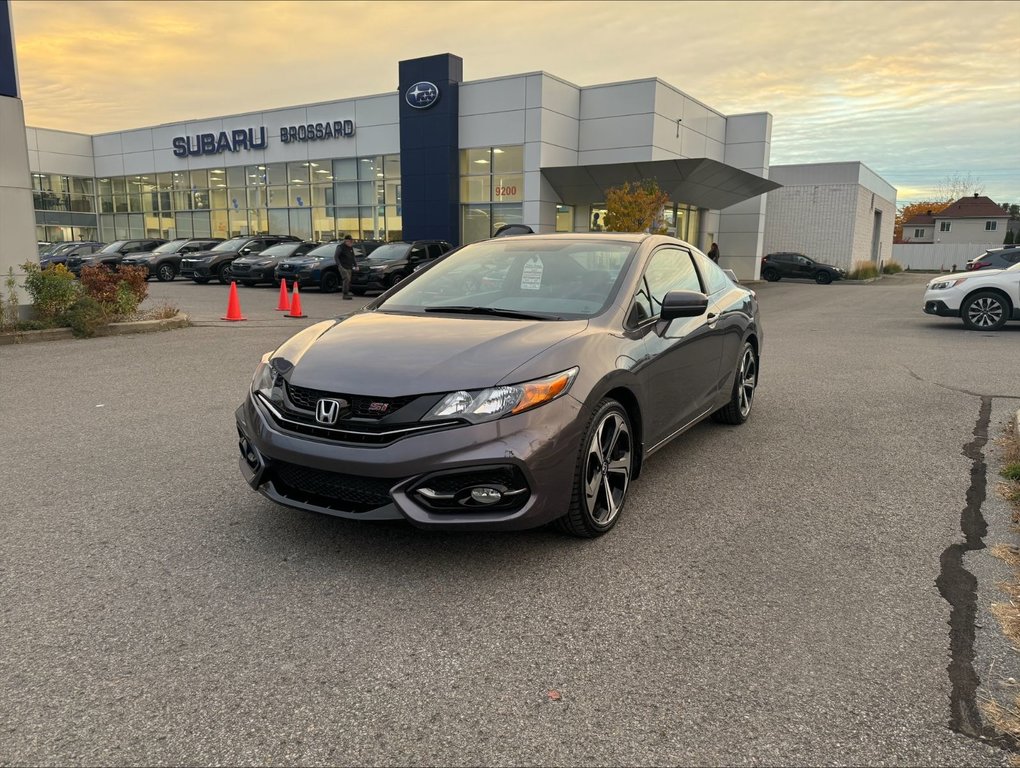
(918, 91)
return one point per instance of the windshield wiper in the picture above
(494, 311)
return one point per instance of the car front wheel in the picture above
(985, 311)
(602, 474)
(745, 381)
(823, 278)
(770, 274)
(330, 282)
(223, 274)
(166, 272)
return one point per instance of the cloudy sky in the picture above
(918, 91)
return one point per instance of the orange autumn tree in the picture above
(907, 212)
(635, 207)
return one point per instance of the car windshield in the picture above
(283, 249)
(233, 244)
(172, 247)
(323, 250)
(390, 252)
(114, 246)
(538, 278)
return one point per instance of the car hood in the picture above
(207, 254)
(140, 256)
(255, 259)
(389, 355)
(974, 273)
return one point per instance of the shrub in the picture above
(891, 268)
(9, 306)
(1012, 472)
(85, 317)
(863, 270)
(53, 290)
(119, 292)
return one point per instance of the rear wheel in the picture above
(166, 272)
(823, 278)
(985, 311)
(745, 381)
(330, 282)
(770, 274)
(602, 473)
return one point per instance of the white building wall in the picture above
(742, 226)
(971, 231)
(17, 217)
(60, 152)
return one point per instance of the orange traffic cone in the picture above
(295, 304)
(284, 305)
(233, 304)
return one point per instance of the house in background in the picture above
(975, 220)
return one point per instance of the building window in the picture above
(918, 233)
(491, 190)
(990, 226)
(945, 226)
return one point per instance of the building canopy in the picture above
(697, 181)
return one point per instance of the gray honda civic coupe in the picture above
(512, 383)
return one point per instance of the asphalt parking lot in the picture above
(772, 595)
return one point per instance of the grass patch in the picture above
(1012, 472)
(863, 270)
(891, 268)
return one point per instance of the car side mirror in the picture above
(677, 304)
(244, 251)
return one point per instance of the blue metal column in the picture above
(8, 75)
(429, 147)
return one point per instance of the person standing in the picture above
(346, 262)
(713, 253)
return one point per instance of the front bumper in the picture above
(940, 308)
(251, 273)
(368, 281)
(540, 446)
(195, 270)
(304, 277)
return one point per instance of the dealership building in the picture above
(439, 158)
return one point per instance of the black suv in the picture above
(388, 264)
(259, 268)
(318, 268)
(206, 265)
(776, 266)
(996, 258)
(165, 262)
(112, 254)
(61, 252)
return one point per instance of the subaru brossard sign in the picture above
(255, 138)
(422, 95)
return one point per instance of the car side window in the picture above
(715, 279)
(669, 269)
(417, 253)
(435, 251)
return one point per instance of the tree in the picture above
(907, 212)
(635, 207)
(1008, 240)
(953, 187)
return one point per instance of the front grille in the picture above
(350, 493)
(362, 406)
(240, 268)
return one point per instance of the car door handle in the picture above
(712, 317)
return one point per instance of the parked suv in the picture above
(112, 254)
(996, 258)
(776, 266)
(165, 262)
(389, 264)
(206, 265)
(318, 267)
(259, 267)
(59, 253)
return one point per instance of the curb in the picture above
(180, 320)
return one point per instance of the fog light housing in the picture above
(488, 488)
(486, 495)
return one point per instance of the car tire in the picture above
(745, 382)
(330, 282)
(223, 274)
(601, 481)
(391, 280)
(823, 278)
(166, 272)
(247, 283)
(769, 274)
(201, 280)
(985, 311)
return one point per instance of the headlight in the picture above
(263, 263)
(377, 270)
(266, 379)
(495, 402)
(941, 285)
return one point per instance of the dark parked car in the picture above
(261, 267)
(212, 264)
(508, 230)
(165, 262)
(996, 258)
(318, 268)
(60, 252)
(535, 398)
(111, 255)
(776, 266)
(389, 264)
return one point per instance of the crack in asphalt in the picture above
(959, 588)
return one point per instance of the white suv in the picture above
(984, 299)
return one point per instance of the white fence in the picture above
(939, 257)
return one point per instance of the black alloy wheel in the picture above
(223, 274)
(770, 274)
(822, 277)
(166, 272)
(985, 311)
(602, 475)
(330, 282)
(745, 381)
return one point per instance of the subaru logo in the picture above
(422, 95)
(327, 411)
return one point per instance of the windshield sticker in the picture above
(531, 278)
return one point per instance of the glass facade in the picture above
(491, 190)
(681, 220)
(65, 207)
(313, 200)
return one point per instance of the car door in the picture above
(803, 267)
(419, 253)
(681, 363)
(728, 314)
